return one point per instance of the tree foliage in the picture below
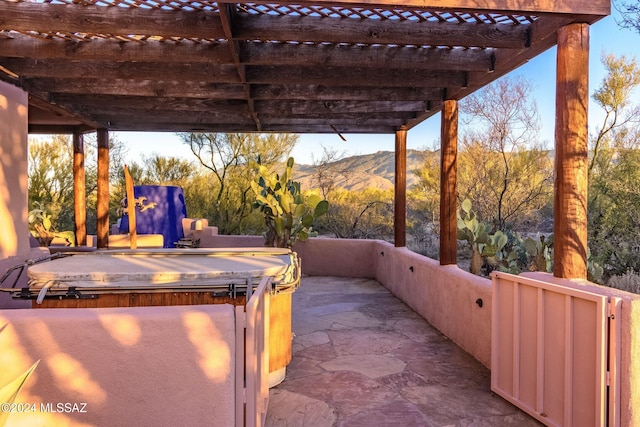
(503, 167)
(364, 214)
(226, 158)
(614, 170)
(50, 172)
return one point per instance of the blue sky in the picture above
(605, 37)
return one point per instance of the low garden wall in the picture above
(116, 366)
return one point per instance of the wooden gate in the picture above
(252, 353)
(554, 351)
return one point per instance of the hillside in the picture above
(375, 170)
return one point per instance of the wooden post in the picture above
(400, 205)
(102, 208)
(571, 182)
(448, 183)
(79, 193)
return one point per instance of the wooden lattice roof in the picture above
(326, 66)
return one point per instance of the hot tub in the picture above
(128, 278)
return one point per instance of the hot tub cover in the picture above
(194, 269)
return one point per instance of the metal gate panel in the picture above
(549, 351)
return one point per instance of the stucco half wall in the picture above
(168, 366)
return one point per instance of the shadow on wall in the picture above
(13, 171)
(123, 364)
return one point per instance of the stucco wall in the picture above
(224, 241)
(444, 295)
(337, 257)
(164, 365)
(14, 239)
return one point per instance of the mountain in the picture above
(355, 173)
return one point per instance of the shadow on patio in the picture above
(361, 357)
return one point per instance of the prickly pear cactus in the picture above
(289, 213)
(475, 232)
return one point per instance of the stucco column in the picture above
(448, 183)
(102, 208)
(14, 128)
(571, 181)
(79, 193)
(400, 205)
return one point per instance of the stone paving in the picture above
(361, 357)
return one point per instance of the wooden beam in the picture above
(79, 190)
(448, 183)
(400, 190)
(128, 70)
(102, 203)
(367, 56)
(288, 108)
(571, 180)
(357, 77)
(328, 76)
(131, 87)
(48, 129)
(159, 116)
(345, 93)
(326, 128)
(214, 91)
(226, 16)
(361, 121)
(60, 112)
(596, 8)
(20, 46)
(127, 125)
(89, 19)
(116, 103)
(186, 51)
(376, 31)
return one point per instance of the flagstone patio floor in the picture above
(361, 357)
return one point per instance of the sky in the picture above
(605, 37)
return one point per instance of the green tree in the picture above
(50, 172)
(614, 97)
(363, 214)
(423, 206)
(614, 170)
(226, 157)
(424, 196)
(161, 170)
(503, 167)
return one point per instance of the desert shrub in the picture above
(629, 281)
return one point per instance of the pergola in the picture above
(341, 66)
